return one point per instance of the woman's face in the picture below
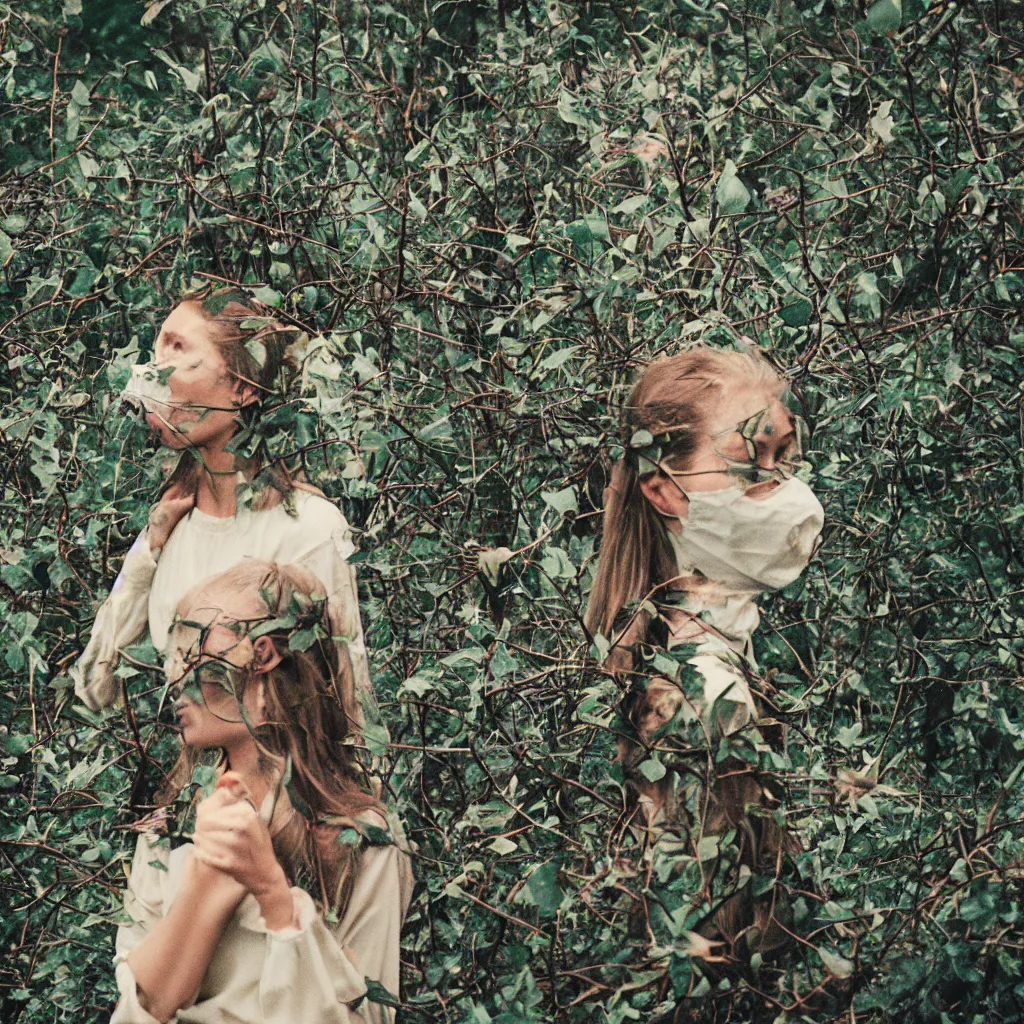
(210, 654)
(745, 428)
(204, 396)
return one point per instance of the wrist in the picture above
(209, 884)
(275, 899)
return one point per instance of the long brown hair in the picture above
(671, 400)
(311, 716)
(254, 346)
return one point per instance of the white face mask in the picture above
(746, 543)
(146, 391)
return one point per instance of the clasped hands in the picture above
(233, 853)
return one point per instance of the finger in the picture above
(232, 782)
(214, 860)
(238, 820)
(216, 802)
(229, 778)
(219, 847)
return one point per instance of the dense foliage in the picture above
(487, 217)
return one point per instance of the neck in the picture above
(245, 760)
(218, 481)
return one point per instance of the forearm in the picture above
(276, 904)
(170, 963)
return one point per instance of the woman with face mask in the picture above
(703, 515)
(279, 897)
(215, 358)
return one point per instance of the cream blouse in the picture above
(147, 590)
(310, 973)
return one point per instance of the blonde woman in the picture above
(702, 516)
(216, 358)
(288, 902)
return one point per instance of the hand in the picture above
(165, 515)
(209, 883)
(230, 837)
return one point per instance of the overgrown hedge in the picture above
(488, 218)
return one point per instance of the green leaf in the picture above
(652, 769)
(375, 993)
(707, 848)
(731, 194)
(838, 966)
(885, 16)
(882, 122)
(797, 314)
(567, 109)
(270, 296)
(302, 639)
(544, 889)
(563, 501)
(502, 846)
(630, 205)
(89, 166)
(417, 151)
(558, 357)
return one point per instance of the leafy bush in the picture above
(488, 218)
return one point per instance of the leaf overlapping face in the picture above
(487, 219)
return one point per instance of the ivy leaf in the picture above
(882, 122)
(731, 194)
(652, 769)
(6, 249)
(885, 16)
(545, 890)
(563, 501)
(567, 109)
(838, 966)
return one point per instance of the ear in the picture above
(245, 393)
(266, 656)
(665, 496)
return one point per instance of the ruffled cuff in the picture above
(303, 913)
(129, 1009)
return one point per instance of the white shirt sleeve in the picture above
(121, 620)
(144, 904)
(328, 561)
(313, 972)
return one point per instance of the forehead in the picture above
(221, 619)
(185, 323)
(742, 402)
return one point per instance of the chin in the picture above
(166, 437)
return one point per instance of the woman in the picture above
(215, 358)
(702, 515)
(289, 899)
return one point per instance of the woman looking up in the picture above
(702, 515)
(215, 359)
(290, 896)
